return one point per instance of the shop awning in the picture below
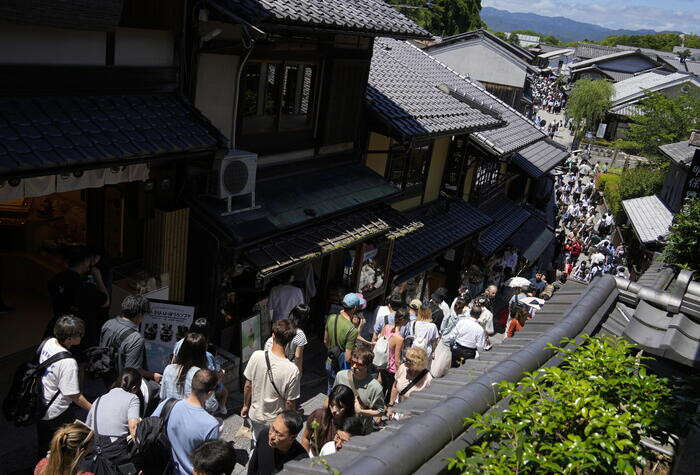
(280, 253)
(532, 238)
(507, 218)
(446, 224)
(47, 135)
(292, 201)
(540, 157)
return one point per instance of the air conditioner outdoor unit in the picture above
(234, 177)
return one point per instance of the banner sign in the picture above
(162, 328)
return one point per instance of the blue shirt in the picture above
(188, 427)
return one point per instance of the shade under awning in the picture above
(532, 238)
(413, 272)
(280, 253)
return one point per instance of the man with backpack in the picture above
(384, 316)
(272, 381)
(60, 384)
(188, 424)
(121, 338)
(340, 336)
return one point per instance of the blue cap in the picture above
(353, 300)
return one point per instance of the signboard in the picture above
(692, 189)
(162, 328)
(601, 130)
(251, 339)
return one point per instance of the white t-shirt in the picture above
(283, 299)
(265, 403)
(298, 340)
(426, 330)
(61, 376)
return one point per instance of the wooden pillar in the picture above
(502, 172)
(165, 248)
(468, 180)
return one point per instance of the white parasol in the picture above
(515, 282)
(532, 302)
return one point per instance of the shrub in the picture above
(585, 416)
(641, 181)
(684, 239)
(609, 184)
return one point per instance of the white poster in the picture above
(162, 328)
(601, 130)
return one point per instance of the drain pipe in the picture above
(239, 73)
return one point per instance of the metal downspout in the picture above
(236, 95)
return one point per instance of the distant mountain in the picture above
(563, 28)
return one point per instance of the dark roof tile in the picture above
(540, 157)
(403, 91)
(83, 129)
(507, 218)
(373, 17)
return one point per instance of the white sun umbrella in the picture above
(585, 169)
(514, 282)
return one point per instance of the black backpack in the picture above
(24, 404)
(105, 361)
(151, 450)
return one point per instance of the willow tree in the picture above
(589, 101)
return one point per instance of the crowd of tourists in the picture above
(547, 94)
(584, 246)
(375, 359)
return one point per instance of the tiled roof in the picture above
(373, 17)
(650, 217)
(515, 50)
(556, 52)
(688, 66)
(680, 152)
(445, 224)
(540, 157)
(81, 15)
(282, 252)
(635, 87)
(411, 104)
(671, 332)
(290, 201)
(600, 59)
(507, 217)
(617, 76)
(517, 133)
(60, 131)
(532, 238)
(591, 50)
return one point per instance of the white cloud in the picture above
(618, 14)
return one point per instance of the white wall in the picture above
(20, 44)
(482, 63)
(137, 47)
(216, 77)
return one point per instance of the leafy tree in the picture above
(660, 120)
(587, 415)
(683, 241)
(589, 101)
(443, 17)
(550, 40)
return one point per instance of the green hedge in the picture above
(632, 183)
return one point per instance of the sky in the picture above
(659, 15)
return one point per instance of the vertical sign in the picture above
(162, 328)
(692, 189)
